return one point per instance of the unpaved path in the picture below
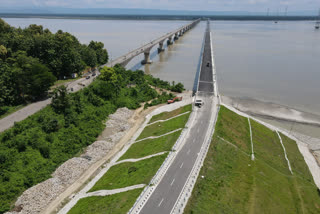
(285, 152)
(140, 159)
(252, 153)
(114, 191)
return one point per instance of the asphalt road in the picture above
(8, 121)
(168, 190)
(206, 78)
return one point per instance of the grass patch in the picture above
(267, 146)
(115, 204)
(129, 173)
(151, 146)
(234, 129)
(296, 159)
(167, 115)
(161, 128)
(233, 183)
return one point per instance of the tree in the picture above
(40, 80)
(102, 54)
(60, 99)
(178, 87)
(89, 56)
(3, 52)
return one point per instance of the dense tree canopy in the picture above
(32, 149)
(32, 58)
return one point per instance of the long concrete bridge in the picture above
(145, 49)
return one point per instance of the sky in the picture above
(207, 5)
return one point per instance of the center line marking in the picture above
(188, 152)
(172, 182)
(160, 202)
(181, 165)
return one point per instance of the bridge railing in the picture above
(149, 45)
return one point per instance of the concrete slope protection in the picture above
(121, 184)
(169, 190)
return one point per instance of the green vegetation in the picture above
(32, 149)
(167, 115)
(151, 146)
(31, 60)
(130, 173)
(161, 128)
(115, 204)
(158, 83)
(267, 147)
(233, 183)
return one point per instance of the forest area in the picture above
(33, 58)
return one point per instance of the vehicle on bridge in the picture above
(174, 100)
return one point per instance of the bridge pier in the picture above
(176, 36)
(170, 42)
(160, 48)
(146, 58)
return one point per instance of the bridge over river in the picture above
(145, 49)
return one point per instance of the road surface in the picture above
(8, 121)
(166, 193)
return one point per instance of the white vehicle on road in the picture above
(199, 103)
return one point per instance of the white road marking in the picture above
(188, 152)
(198, 130)
(172, 182)
(181, 165)
(193, 140)
(160, 202)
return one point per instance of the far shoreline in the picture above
(158, 17)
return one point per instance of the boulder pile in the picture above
(37, 198)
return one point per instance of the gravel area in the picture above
(35, 199)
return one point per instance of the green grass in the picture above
(167, 115)
(296, 159)
(233, 183)
(129, 173)
(161, 128)
(151, 146)
(115, 204)
(234, 129)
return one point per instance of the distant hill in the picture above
(121, 11)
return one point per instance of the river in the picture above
(262, 60)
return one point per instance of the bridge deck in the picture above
(206, 74)
(124, 59)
